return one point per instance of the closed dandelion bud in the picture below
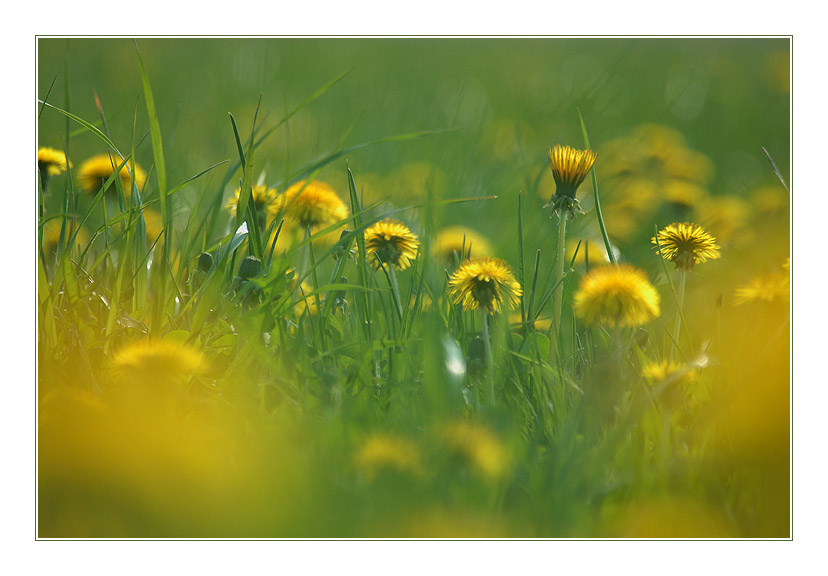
(250, 267)
(205, 262)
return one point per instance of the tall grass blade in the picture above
(598, 213)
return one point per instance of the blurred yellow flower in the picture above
(51, 234)
(310, 205)
(650, 166)
(154, 226)
(540, 325)
(728, 215)
(685, 244)
(485, 283)
(386, 452)
(51, 161)
(596, 249)
(666, 517)
(305, 303)
(96, 170)
(461, 241)
(481, 449)
(393, 242)
(157, 363)
(770, 288)
(617, 296)
(263, 199)
(657, 372)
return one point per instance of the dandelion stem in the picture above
(677, 327)
(487, 346)
(558, 299)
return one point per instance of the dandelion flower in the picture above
(51, 162)
(597, 252)
(617, 296)
(310, 204)
(157, 363)
(51, 235)
(385, 452)
(569, 169)
(461, 241)
(657, 372)
(685, 244)
(772, 288)
(393, 242)
(262, 196)
(95, 171)
(479, 447)
(153, 226)
(485, 283)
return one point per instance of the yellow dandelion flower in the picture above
(479, 447)
(617, 296)
(51, 235)
(486, 283)
(305, 303)
(393, 242)
(461, 241)
(154, 226)
(157, 363)
(728, 215)
(773, 288)
(569, 169)
(685, 244)
(51, 161)
(540, 325)
(386, 452)
(310, 204)
(96, 170)
(597, 252)
(657, 372)
(262, 197)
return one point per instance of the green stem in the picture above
(395, 290)
(558, 297)
(677, 327)
(487, 346)
(315, 281)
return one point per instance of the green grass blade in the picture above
(599, 214)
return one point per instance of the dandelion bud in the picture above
(205, 262)
(250, 267)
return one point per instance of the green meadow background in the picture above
(476, 117)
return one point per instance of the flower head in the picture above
(51, 234)
(95, 171)
(617, 296)
(261, 196)
(485, 283)
(657, 372)
(310, 204)
(157, 363)
(595, 251)
(385, 452)
(51, 161)
(479, 447)
(684, 244)
(393, 242)
(771, 288)
(569, 168)
(461, 241)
